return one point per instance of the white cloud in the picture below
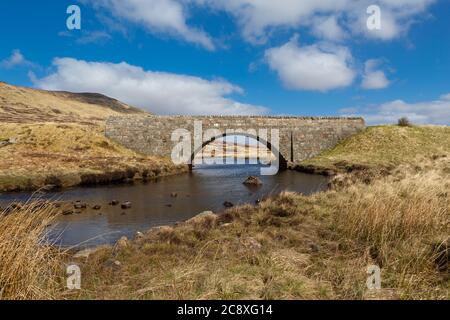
(258, 18)
(328, 28)
(373, 78)
(316, 67)
(426, 112)
(158, 16)
(445, 97)
(157, 92)
(16, 59)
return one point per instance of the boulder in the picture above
(97, 207)
(204, 220)
(67, 212)
(228, 204)
(80, 205)
(7, 142)
(139, 235)
(114, 203)
(252, 244)
(126, 205)
(122, 243)
(253, 181)
(85, 253)
(114, 264)
(174, 194)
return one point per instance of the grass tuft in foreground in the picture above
(29, 267)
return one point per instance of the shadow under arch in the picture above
(282, 160)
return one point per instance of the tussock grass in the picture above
(29, 268)
(397, 223)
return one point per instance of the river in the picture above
(205, 188)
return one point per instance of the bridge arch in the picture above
(283, 163)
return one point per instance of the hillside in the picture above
(56, 139)
(382, 148)
(25, 105)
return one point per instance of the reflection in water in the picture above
(206, 188)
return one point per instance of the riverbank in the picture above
(287, 247)
(50, 155)
(380, 149)
(293, 247)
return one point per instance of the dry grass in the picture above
(384, 148)
(66, 155)
(26, 105)
(288, 247)
(293, 247)
(29, 269)
(397, 222)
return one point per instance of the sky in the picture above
(258, 57)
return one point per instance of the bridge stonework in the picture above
(300, 137)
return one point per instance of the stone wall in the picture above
(300, 137)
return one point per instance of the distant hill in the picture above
(24, 105)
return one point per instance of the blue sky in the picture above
(289, 57)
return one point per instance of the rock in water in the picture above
(228, 204)
(80, 205)
(253, 181)
(126, 205)
(114, 203)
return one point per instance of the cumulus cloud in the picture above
(157, 92)
(372, 77)
(316, 67)
(426, 112)
(158, 16)
(328, 28)
(258, 18)
(16, 59)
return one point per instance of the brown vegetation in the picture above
(26, 105)
(290, 246)
(29, 267)
(66, 155)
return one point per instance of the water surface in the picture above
(206, 188)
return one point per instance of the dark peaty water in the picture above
(206, 188)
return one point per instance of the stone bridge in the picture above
(300, 138)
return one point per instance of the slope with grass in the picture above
(382, 148)
(56, 139)
(66, 155)
(25, 105)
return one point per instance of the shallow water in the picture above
(206, 188)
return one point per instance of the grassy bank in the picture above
(292, 246)
(382, 148)
(66, 155)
